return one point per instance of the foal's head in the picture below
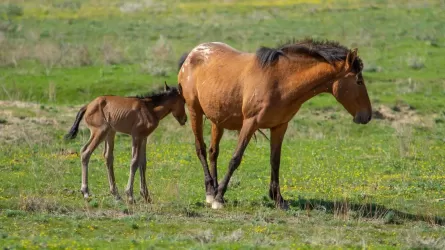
(175, 102)
(170, 100)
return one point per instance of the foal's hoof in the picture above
(131, 200)
(209, 199)
(85, 194)
(217, 205)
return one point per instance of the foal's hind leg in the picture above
(197, 127)
(97, 135)
(217, 133)
(109, 159)
(133, 167)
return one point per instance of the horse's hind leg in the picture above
(217, 133)
(197, 127)
(133, 167)
(142, 168)
(109, 159)
(276, 140)
(249, 127)
(96, 137)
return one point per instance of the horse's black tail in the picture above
(75, 128)
(182, 60)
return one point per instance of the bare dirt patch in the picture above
(401, 114)
(32, 122)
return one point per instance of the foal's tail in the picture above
(182, 60)
(75, 128)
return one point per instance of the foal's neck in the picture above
(161, 111)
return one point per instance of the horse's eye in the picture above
(360, 82)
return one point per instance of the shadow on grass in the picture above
(344, 209)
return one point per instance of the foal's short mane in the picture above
(330, 51)
(158, 97)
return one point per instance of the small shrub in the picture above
(416, 63)
(11, 11)
(111, 53)
(14, 213)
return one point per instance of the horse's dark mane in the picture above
(330, 51)
(157, 97)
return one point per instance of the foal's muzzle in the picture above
(183, 121)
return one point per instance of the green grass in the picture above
(349, 186)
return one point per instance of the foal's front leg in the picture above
(109, 159)
(142, 167)
(133, 167)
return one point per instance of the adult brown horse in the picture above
(246, 92)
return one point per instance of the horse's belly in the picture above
(224, 115)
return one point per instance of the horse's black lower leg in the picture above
(217, 134)
(277, 136)
(197, 127)
(249, 127)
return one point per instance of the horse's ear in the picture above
(350, 59)
(166, 88)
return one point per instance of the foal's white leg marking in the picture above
(209, 199)
(217, 205)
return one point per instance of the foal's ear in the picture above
(179, 89)
(350, 59)
(166, 86)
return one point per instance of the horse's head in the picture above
(351, 92)
(177, 104)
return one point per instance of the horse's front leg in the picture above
(217, 133)
(197, 127)
(276, 140)
(249, 127)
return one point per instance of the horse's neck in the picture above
(311, 81)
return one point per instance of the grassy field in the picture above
(374, 186)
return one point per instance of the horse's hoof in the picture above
(217, 205)
(284, 205)
(209, 199)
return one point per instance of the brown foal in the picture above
(136, 116)
(244, 91)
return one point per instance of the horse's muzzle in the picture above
(362, 117)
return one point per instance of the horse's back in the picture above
(212, 80)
